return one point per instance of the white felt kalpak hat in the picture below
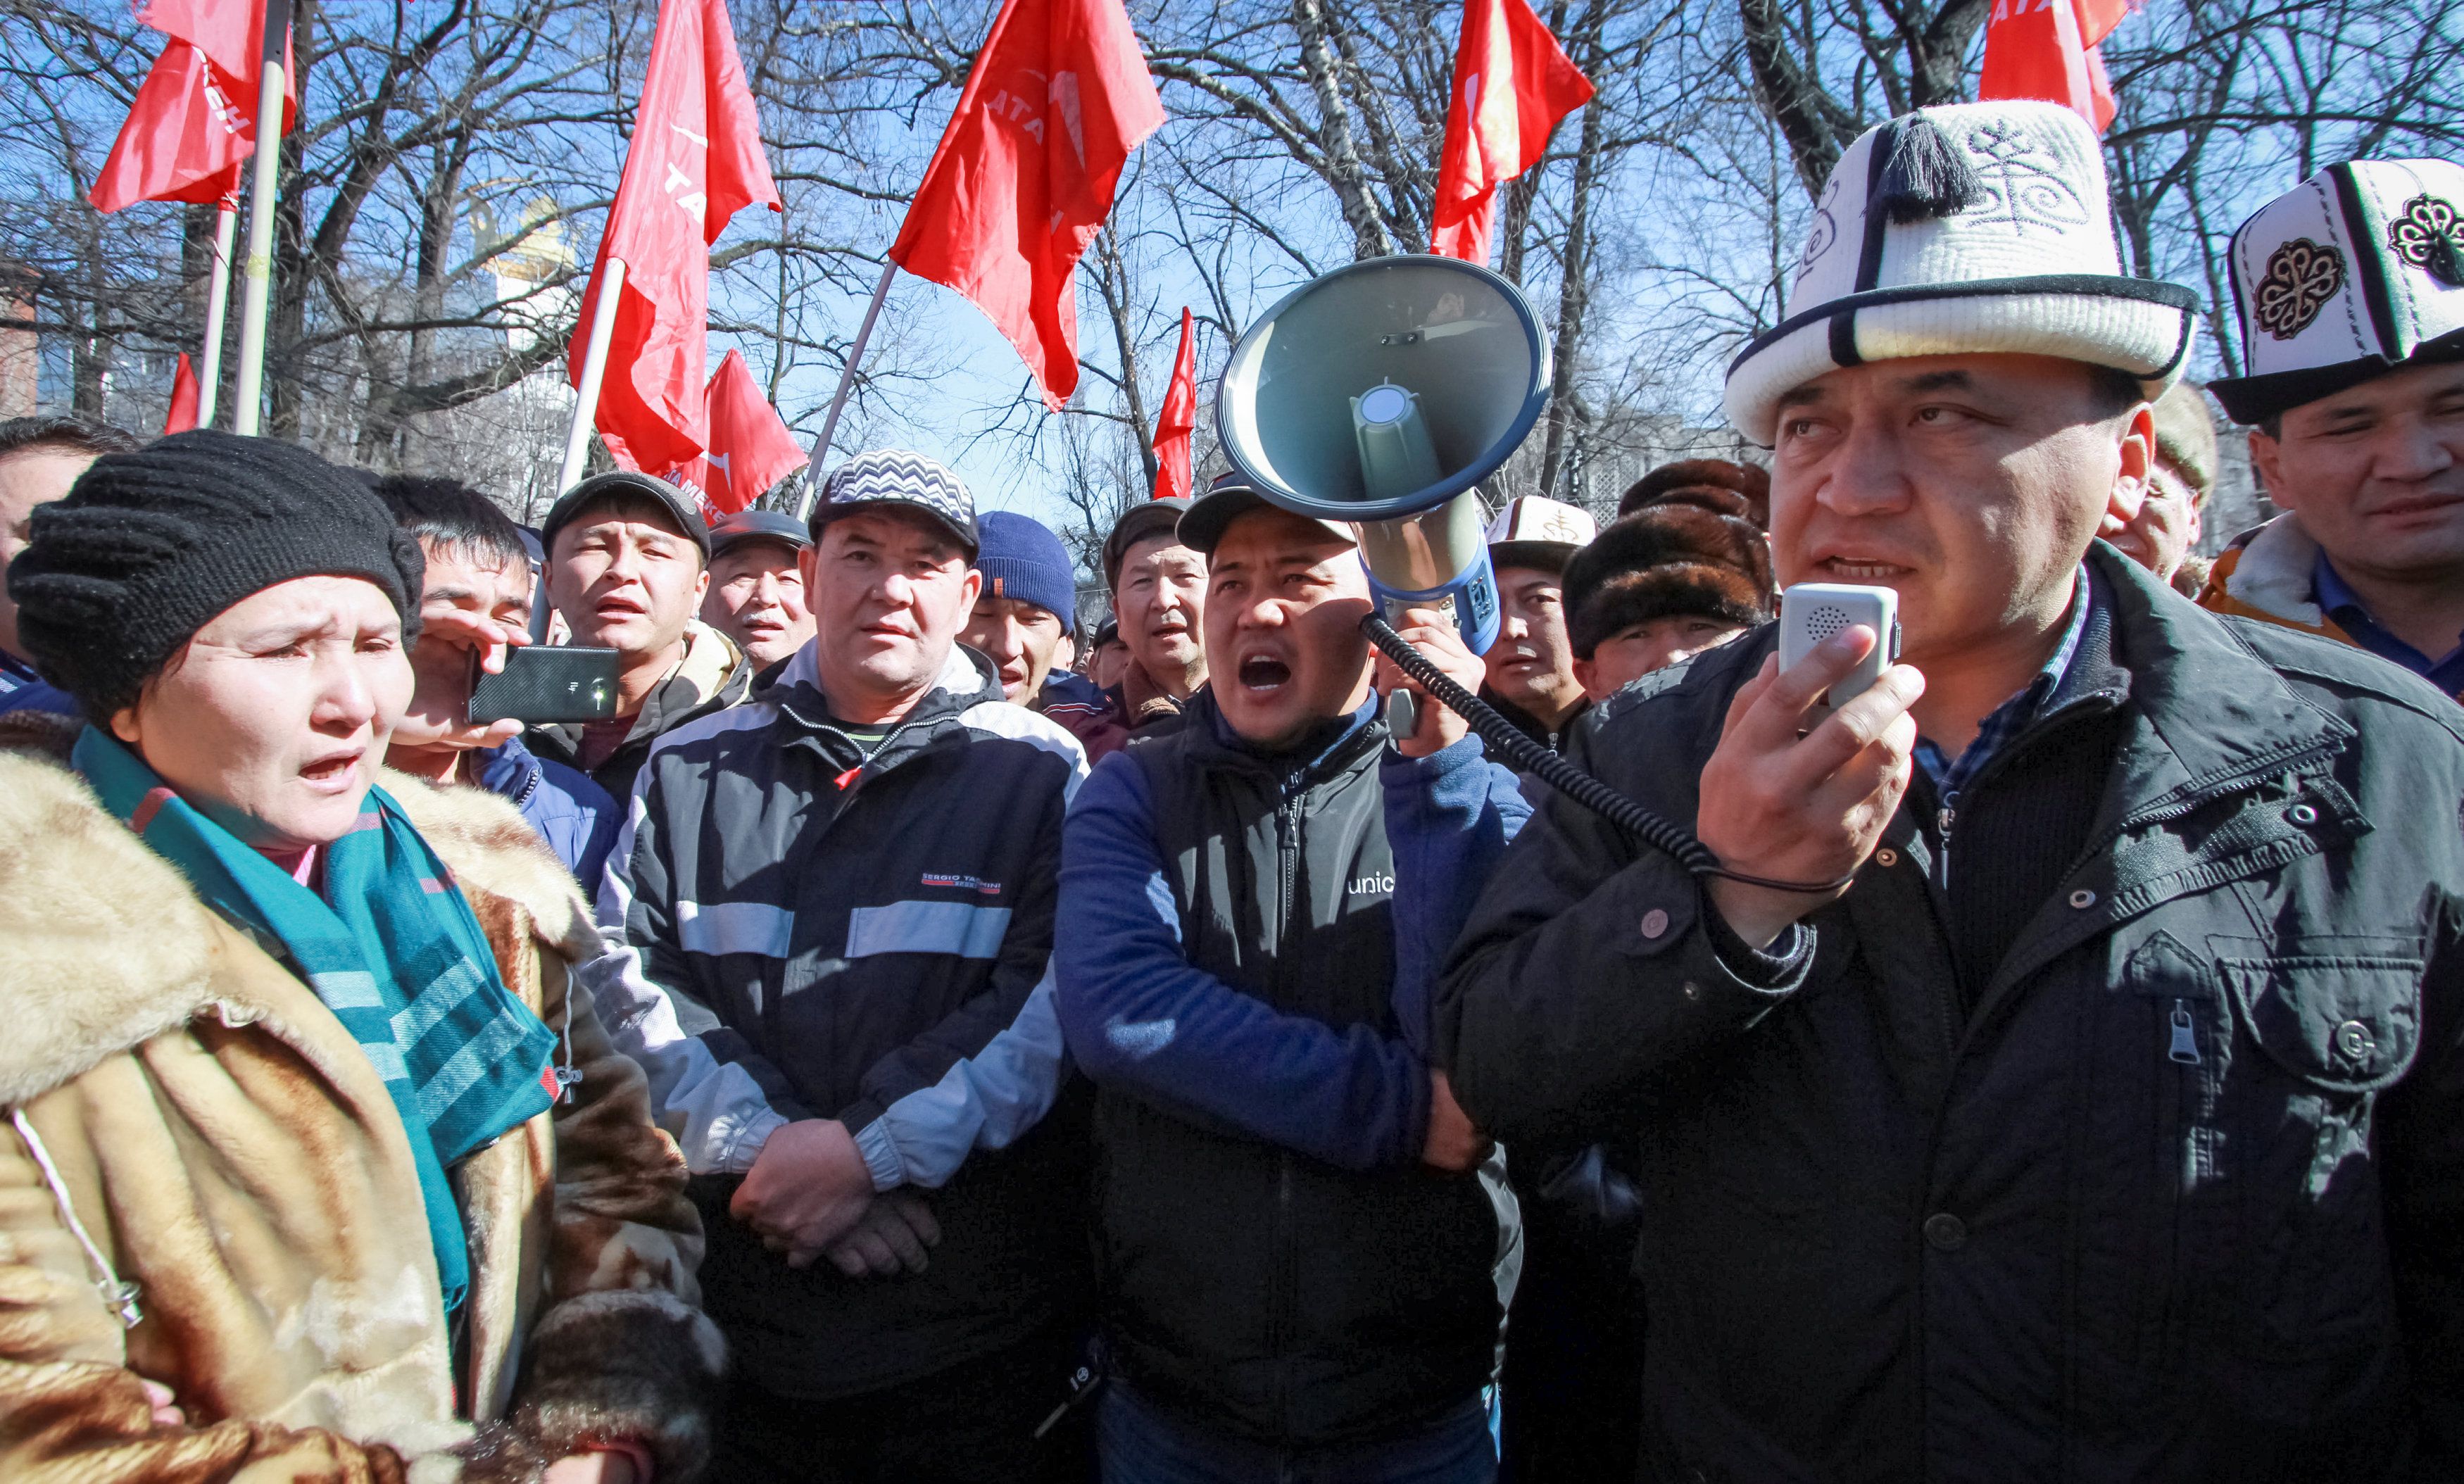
(2345, 277)
(1540, 533)
(1969, 228)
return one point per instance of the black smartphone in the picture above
(544, 682)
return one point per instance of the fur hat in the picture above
(1662, 561)
(1716, 484)
(1963, 230)
(2353, 272)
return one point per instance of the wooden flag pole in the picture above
(247, 397)
(209, 365)
(594, 371)
(838, 400)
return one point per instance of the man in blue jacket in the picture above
(1297, 1259)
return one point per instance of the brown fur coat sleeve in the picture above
(610, 1339)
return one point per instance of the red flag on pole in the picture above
(193, 119)
(1178, 416)
(2047, 49)
(695, 160)
(1513, 83)
(749, 447)
(1025, 171)
(182, 415)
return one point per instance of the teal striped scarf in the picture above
(392, 950)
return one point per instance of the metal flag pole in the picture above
(594, 371)
(838, 400)
(209, 365)
(248, 398)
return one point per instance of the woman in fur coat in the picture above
(312, 1170)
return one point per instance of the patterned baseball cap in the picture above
(896, 476)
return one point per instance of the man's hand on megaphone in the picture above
(1434, 635)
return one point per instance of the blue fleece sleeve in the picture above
(1137, 1016)
(1449, 816)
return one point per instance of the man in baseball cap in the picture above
(2350, 289)
(1159, 591)
(757, 584)
(627, 565)
(2102, 1128)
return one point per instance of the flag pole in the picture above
(838, 400)
(594, 371)
(247, 397)
(209, 369)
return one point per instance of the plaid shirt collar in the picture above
(1950, 776)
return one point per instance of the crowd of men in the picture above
(1120, 1054)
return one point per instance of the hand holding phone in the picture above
(1811, 612)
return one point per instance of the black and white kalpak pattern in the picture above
(897, 477)
(1965, 229)
(2356, 271)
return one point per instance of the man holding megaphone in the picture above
(2108, 1126)
(1297, 1241)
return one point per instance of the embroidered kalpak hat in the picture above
(1539, 533)
(1969, 228)
(2349, 275)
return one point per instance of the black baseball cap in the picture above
(624, 484)
(751, 525)
(1153, 518)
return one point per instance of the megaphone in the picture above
(1382, 393)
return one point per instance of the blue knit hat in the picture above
(1020, 559)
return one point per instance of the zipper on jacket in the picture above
(2184, 1047)
(1286, 1243)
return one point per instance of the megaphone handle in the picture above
(1505, 739)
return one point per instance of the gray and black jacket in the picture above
(828, 936)
(2110, 1127)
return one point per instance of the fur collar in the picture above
(103, 945)
(2272, 570)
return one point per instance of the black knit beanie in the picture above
(149, 546)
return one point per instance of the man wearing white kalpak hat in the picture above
(2111, 1124)
(2349, 290)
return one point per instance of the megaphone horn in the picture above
(1381, 394)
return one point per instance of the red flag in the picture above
(182, 415)
(194, 118)
(1025, 171)
(1178, 417)
(695, 159)
(2047, 49)
(185, 140)
(750, 448)
(1513, 83)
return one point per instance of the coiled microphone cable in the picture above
(1506, 739)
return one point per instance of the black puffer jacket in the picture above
(2167, 1182)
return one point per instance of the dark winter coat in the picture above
(864, 939)
(2136, 1153)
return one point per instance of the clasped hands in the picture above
(809, 1195)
